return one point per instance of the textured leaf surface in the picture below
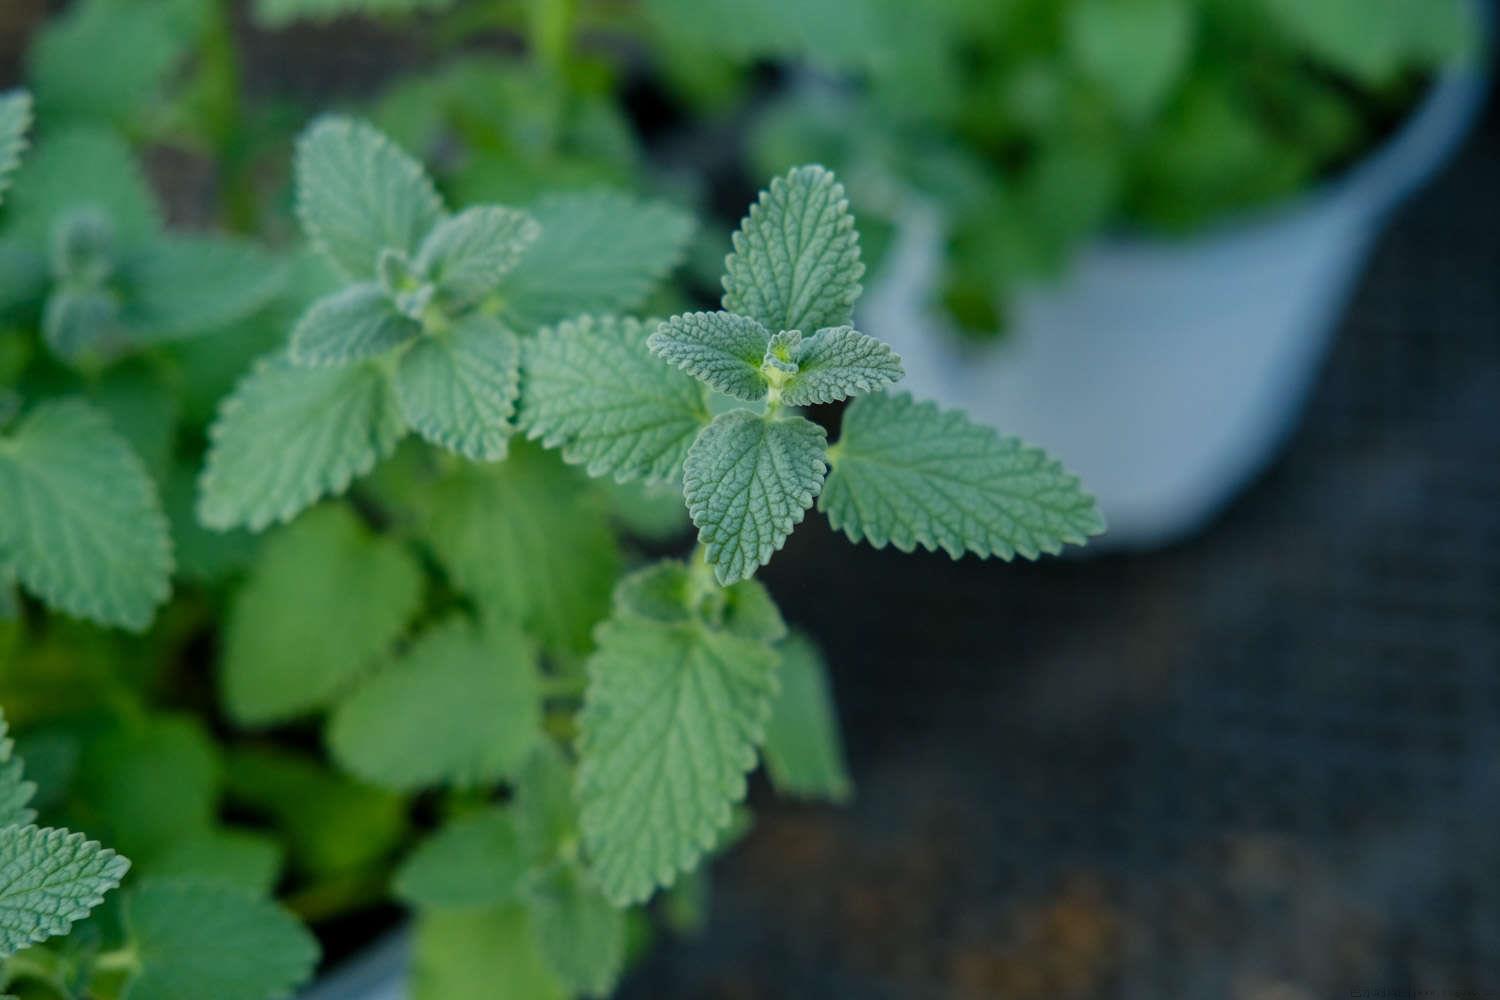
(839, 362)
(480, 955)
(324, 600)
(195, 941)
(359, 194)
(460, 707)
(593, 389)
(15, 790)
(83, 526)
(458, 388)
(908, 474)
(580, 934)
(527, 540)
(599, 252)
(722, 349)
(184, 285)
(670, 724)
(49, 879)
(468, 254)
(476, 861)
(350, 325)
(76, 168)
(748, 481)
(291, 435)
(15, 120)
(804, 754)
(796, 261)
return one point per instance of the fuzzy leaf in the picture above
(15, 790)
(197, 940)
(359, 194)
(458, 388)
(79, 168)
(839, 362)
(324, 600)
(907, 473)
(579, 934)
(803, 752)
(291, 435)
(796, 261)
(670, 724)
(15, 120)
(184, 285)
(356, 323)
(49, 879)
(479, 955)
(467, 255)
(460, 707)
(592, 389)
(475, 861)
(599, 252)
(722, 349)
(83, 526)
(748, 481)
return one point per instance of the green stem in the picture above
(120, 960)
(551, 29)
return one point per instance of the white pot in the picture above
(1166, 373)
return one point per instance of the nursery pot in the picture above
(1163, 372)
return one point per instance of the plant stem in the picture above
(120, 960)
(551, 29)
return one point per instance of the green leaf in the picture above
(527, 540)
(599, 252)
(83, 526)
(194, 941)
(77, 71)
(81, 323)
(458, 388)
(748, 481)
(670, 724)
(796, 261)
(591, 388)
(236, 858)
(185, 285)
(579, 934)
(722, 349)
(15, 790)
(78, 168)
(836, 363)
(473, 862)
(325, 599)
(1134, 50)
(15, 120)
(351, 325)
(49, 879)
(467, 255)
(479, 955)
(545, 813)
(291, 435)
(803, 753)
(908, 474)
(666, 592)
(358, 194)
(460, 707)
(1366, 40)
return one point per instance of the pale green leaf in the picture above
(1135, 50)
(748, 481)
(473, 862)
(580, 935)
(1373, 41)
(83, 526)
(79, 168)
(527, 540)
(647, 511)
(670, 725)
(796, 261)
(15, 120)
(907, 473)
(81, 323)
(359, 194)
(324, 600)
(666, 592)
(599, 252)
(460, 707)
(591, 388)
(354, 324)
(480, 955)
(458, 388)
(468, 254)
(803, 753)
(836, 363)
(236, 858)
(76, 64)
(15, 790)
(48, 880)
(195, 941)
(545, 813)
(184, 285)
(722, 349)
(291, 435)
